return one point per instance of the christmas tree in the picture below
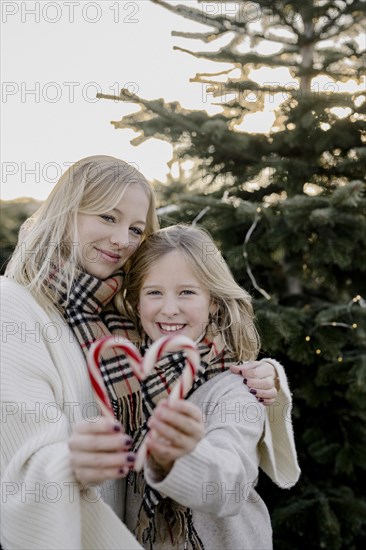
(287, 208)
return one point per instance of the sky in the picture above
(57, 55)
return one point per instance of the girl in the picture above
(205, 452)
(178, 283)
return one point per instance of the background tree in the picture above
(288, 210)
(13, 214)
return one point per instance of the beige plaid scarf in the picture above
(85, 309)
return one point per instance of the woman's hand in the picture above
(176, 428)
(261, 379)
(99, 451)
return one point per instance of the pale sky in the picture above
(55, 59)
(57, 55)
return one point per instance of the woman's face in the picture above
(172, 300)
(107, 240)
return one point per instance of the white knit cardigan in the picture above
(45, 388)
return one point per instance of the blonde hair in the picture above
(234, 317)
(93, 185)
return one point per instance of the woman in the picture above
(65, 271)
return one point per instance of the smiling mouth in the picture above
(109, 256)
(170, 328)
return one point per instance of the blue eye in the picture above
(153, 292)
(137, 230)
(188, 292)
(108, 218)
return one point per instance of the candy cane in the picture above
(94, 370)
(142, 367)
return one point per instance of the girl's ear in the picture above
(213, 307)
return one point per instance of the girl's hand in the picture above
(176, 428)
(100, 450)
(261, 379)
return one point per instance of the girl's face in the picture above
(172, 300)
(106, 241)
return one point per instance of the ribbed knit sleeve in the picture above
(44, 390)
(277, 449)
(222, 470)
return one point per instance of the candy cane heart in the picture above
(141, 368)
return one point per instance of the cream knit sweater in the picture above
(45, 389)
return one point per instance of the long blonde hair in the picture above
(234, 317)
(92, 186)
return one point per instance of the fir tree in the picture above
(13, 213)
(288, 210)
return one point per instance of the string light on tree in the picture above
(245, 254)
(357, 300)
(335, 324)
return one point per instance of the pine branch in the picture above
(197, 77)
(205, 37)
(274, 38)
(356, 10)
(220, 23)
(225, 55)
(331, 21)
(283, 20)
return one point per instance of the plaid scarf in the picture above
(89, 311)
(85, 310)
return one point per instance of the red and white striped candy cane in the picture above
(142, 367)
(93, 361)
